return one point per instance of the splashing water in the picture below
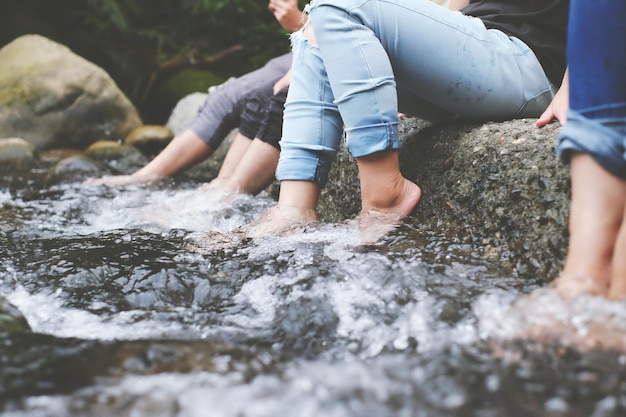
(127, 321)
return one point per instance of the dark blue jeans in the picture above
(596, 123)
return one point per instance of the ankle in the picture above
(384, 194)
(298, 195)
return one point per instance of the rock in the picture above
(55, 155)
(499, 186)
(185, 111)
(11, 319)
(107, 150)
(150, 139)
(169, 89)
(74, 168)
(53, 98)
(16, 150)
(123, 159)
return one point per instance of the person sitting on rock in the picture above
(253, 103)
(592, 141)
(358, 63)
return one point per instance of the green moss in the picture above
(188, 81)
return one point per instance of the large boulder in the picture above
(498, 186)
(55, 99)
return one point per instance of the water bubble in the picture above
(492, 383)
(557, 405)
(605, 408)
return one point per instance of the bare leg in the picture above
(595, 217)
(236, 151)
(386, 195)
(618, 274)
(255, 170)
(295, 210)
(182, 152)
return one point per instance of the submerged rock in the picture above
(11, 319)
(124, 159)
(74, 168)
(36, 364)
(54, 98)
(56, 155)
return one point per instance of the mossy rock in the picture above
(11, 319)
(150, 139)
(188, 81)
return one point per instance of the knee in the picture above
(309, 35)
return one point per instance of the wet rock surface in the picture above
(41, 364)
(74, 168)
(11, 319)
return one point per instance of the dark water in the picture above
(128, 320)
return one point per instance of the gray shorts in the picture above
(239, 103)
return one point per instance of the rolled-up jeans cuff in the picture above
(366, 140)
(604, 139)
(302, 165)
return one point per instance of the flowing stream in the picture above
(129, 318)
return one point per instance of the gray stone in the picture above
(184, 112)
(53, 98)
(121, 159)
(11, 319)
(16, 150)
(74, 168)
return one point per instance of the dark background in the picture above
(156, 50)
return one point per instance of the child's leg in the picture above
(618, 277)
(596, 215)
(254, 170)
(236, 151)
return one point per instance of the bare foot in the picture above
(209, 242)
(570, 286)
(276, 221)
(122, 180)
(280, 221)
(585, 322)
(375, 223)
(617, 291)
(216, 183)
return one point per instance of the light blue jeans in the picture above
(378, 57)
